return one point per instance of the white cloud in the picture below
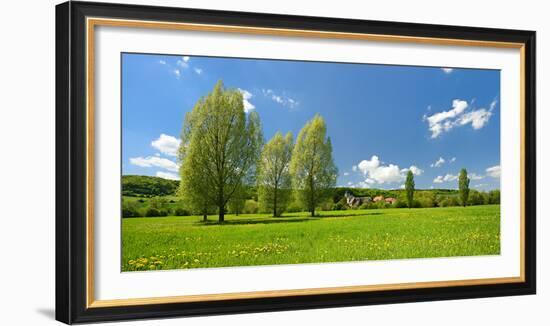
(367, 166)
(177, 73)
(362, 184)
(376, 172)
(155, 161)
(167, 144)
(246, 103)
(346, 173)
(452, 160)
(354, 168)
(438, 163)
(474, 176)
(450, 177)
(480, 185)
(493, 171)
(478, 118)
(493, 105)
(280, 98)
(457, 116)
(167, 175)
(447, 178)
(414, 169)
(439, 122)
(183, 62)
(447, 70)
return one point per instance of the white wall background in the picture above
(27, 162)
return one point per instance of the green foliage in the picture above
(339, 206)
(366, 206)
(146, 186)
(427, 199)
(409, 188)
(236, 203)
(402, 204)
(155, 212)
(180, 211)
(219, 149)
(250, 207)
(463, 186)
(294, 207)
(130, 210)
(273, 181)
(378, 205)
(326, 205)
(158, 202)
(334, 236)
(448, 201)
(476, 198)
(493, 197)
(312, 167)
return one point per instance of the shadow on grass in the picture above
(325, 215)
(349, 215)
(290, 218)
(262, 220)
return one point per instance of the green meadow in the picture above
(178, 242)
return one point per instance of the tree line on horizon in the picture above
(148, 196)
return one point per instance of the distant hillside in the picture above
(146, 186)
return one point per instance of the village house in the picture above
(378, 198)
(354, 202)
(391, 200)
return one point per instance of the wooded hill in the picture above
(146, 186)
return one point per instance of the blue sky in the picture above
(383, 120)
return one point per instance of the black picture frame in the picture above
(71, 158)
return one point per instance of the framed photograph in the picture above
(212, 162)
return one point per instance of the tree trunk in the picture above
(221, 206)
(204, 217)
(312, 196)
(275, 203)
(221, 215)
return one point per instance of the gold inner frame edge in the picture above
(91, 22)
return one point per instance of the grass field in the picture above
(334, 236)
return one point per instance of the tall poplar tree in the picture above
(463, 187)
(409, 188)
(219, 149)
(273, 181)
(312, 167)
